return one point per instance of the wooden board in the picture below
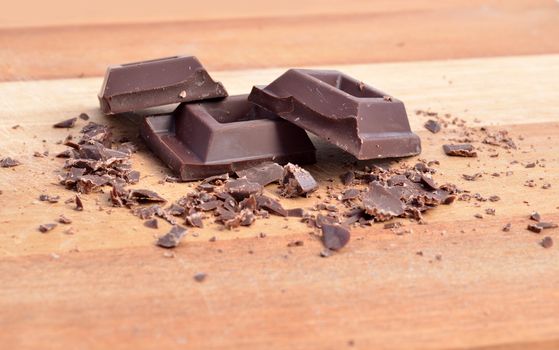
(233, 35)
(108, 286)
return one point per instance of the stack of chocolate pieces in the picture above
(212, 133)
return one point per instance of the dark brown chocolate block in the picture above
(134, 86)
(202, 139)
(353, 116)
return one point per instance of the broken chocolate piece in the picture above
(79, 204)
(535, 216)
(202, 139)
(263, 174)
(134, 86)
(49, 198)
(297, 243)
(69, 123)
(271, 205)
(84, 116)
(200, 277)
(507, 227)
(172, 238)
(296, 181)
(152, 223)
(334, 237)
(380, 203)
(296, 212)
(9, 162)
(341, 110)
(547, 242)
(348, 178)
(242, 188)
(46, 227)
(195, 219)
(433, 126)
(64, 220)
(460, 150)
(145, 196)
(350, 193)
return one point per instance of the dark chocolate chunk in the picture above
(380, 203)
(322, 220)
(296, 212)
(84, 116)
(334, 237)
(535, 216)
(242, 188)
(79, 203)
(460, 150)
(547, 242)
(433, 126)
(350, 193)
(297, 243)
(200, 277)
(152, 223)
(46, 227)
(216, 179)
(195, 219)
(348, 178)
(172, 238)
(325, 253)
(296, 181)
(263, 174)
(64, 220)
(134, 86)
(271, 205)
(69, 123)
(9, 162)
(210, 205)
(203, 139)
(341, 110)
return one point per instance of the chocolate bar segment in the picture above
(353, 116)
(134, 86)
(202, 139)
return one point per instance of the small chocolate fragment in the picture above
(547, 242)
(334, 237)
(271, 205)
(152, 223)
(297, 243)
(135, 86)
(296, 181)
(507, 227)
(540, 226)
(79, 204)
(433, 126)
(242, 188)
(64, 220)
(460, 150)
(471, 177)
(358, 118)
(535, 216)
(145, 196)
(84, 116)
(296, 212)
(325, 253)
(379, 202)
(49, 198)
(347, 178)
(9, 162)
(69, 123)
(46, 227)
(263, 174)
(350, 193)
(172, 238)
(203, 139)
(195, 219)
(200, 277)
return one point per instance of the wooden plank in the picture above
(405, 32)
(491, 289)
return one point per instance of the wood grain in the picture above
(337, 33)
(107, 286)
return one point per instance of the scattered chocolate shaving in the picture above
(152, 223)
(460, 150)
(200, 277)
(494, 198)
(68, 123)
(296, 181)
(547, 242)
(530, 165)
(64, 220)
(9, 162)
(48, 198)
(535, 228)
(175, 210)
(46, 227)
(172, 238)
(334, 237)
(263, 174)
(433, 126)
(216, 179)
(393, 225)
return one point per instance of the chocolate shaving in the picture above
(271, 205)
(296, 212)
(350, 193)
(535, 216)
(334, 237)
(68, 123)
(172, 238)
(242, 188)
(84, 116)
(200, 277)
(460, 150)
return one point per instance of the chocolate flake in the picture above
(46, 227)
(507, 227)
(68, 123)
(348, 178)
(547, 242)
(145, 196)
(263, 174)
(79, 204)
(64, 220)
(84, 116)
(381, 203)
(334, 237)
(460, 150)
(195, 219)
(296, 181)
(172, 238)
(200, 277)
(350, 193)
(296, 212)
(297, 243)
(9, 162)
(271, 205)
(535, 216)
(49, 198)
(152, 223)
(433, 126)
(242, 188)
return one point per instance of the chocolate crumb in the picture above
(460, 150)
(84, 116)
(152, 223)
(46, 227)
(200, 277)
(507, 227)
(68, 123)
(9, 162)
(79, 204)
(172, 238)
(478, 216)
(64, 220)
(325, 253)
(535, 216)
(347, 178)
(494, 198)
(547, 242)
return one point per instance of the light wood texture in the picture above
(289, 33)
(109, 287)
